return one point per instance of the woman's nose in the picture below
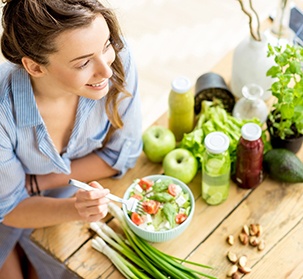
(103, 67)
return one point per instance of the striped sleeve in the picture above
(12, 176)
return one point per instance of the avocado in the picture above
(283, 165)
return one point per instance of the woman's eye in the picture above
(108, 45)
(83, 65)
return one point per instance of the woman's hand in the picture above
(92, 205)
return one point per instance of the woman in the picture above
(69, 108)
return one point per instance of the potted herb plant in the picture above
(285, 120)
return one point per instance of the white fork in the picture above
(131, 204)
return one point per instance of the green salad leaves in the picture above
(213, 117)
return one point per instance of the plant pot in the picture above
(211, 86)
(291, 144)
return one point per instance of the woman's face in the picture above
(81, 65)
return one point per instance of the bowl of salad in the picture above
(168, 206)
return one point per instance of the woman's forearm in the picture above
(88, 168)
(37, 212)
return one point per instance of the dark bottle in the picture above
(249, 171)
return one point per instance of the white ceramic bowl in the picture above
(161, 236)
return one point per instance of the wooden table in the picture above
(278, 207)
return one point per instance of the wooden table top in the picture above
(278, 207)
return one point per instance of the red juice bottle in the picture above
(249, 171)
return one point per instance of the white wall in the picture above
(177, 37)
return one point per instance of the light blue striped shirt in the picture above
(25, 145)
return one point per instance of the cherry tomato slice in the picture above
(180, 218)
(151, 206)
(136, 218)
(172, 189)
(145, 184)
(137, 196)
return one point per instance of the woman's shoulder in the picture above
(7, 70)
(126, 56)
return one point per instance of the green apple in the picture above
(157, 142)
(180, 163)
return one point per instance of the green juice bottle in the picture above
(216, 168)
(181, 107)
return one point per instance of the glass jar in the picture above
(280, 34)
(181, 107)
(249, 171)
(251, 104)
(216, 168)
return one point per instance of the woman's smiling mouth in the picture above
(100, 85)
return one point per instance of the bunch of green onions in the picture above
(135, 258)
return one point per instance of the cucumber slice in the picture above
(214, 166)
(215, 199)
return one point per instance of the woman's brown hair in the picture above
(30, 27)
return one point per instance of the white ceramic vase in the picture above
(250, 64)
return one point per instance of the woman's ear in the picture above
(32, 67)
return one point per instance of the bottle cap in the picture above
(251, 131)
(216, 142)
(181, 84)
(252, 91)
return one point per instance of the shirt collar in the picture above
(26, 110)
(27, 113)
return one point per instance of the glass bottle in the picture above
(280, 33)
(249, 171)
(181, 107)
(251, 104)
(216, 168)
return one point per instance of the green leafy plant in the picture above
(286, 116)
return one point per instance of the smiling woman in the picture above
(69, 108)
(84, 70)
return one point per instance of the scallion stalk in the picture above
(115, 258)
(120, 246)
(164, 265)
(170, 266)
(177, 261)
